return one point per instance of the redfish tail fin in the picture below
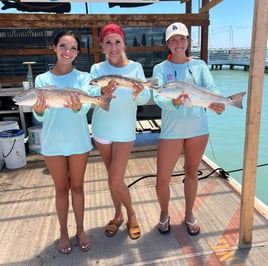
(236, 99)
(152, 83)
(104, 102)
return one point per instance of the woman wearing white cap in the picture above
(182, 128)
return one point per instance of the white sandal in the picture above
(191, 226)
(165, 224)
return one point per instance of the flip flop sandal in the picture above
(134, 231)
(112, 227)
(191, 228)
(165, 224)
(83, 247)
(66, 250)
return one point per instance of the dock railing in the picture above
(217, 57)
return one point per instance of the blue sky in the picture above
(230, 20)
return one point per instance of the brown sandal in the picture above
(112, 227)
(134, 231)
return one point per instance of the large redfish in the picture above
(198, 96)
(122, 81)
(56, 98)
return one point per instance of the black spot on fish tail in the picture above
(236, 99)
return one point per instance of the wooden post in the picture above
(254, 105)
(204, 37)
(96, 55)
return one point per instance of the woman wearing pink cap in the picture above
(114, 131)
(182, 127)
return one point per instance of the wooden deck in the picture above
(29, 227)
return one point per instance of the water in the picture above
(227, 131)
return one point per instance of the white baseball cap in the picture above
(176, 28)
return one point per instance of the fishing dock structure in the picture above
(25, 220)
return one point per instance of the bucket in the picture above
(5, 125)
(13, 149)
(34, 134)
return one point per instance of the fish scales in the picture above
(56, 98)
(198, 96)
(123, 81)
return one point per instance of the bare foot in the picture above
(84, 241)
(64, 245)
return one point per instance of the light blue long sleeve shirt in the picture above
(119, 123)
(64, 132)
(180, 121)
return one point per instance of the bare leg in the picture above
(77, 167)
(115, 157)
(168, 154)
(58, 168)
(193, 152)
(106, 154)
(117, 171)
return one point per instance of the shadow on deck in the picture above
(29, 227)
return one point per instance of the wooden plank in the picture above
(204, 43)
(145, 125)
(138, 127)
(209, 5)
(154, 127)
(10, 80)
(204, 39)
(157, 122)
(37, 51)
(48, 51)
(254, 107)
(53, 21)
